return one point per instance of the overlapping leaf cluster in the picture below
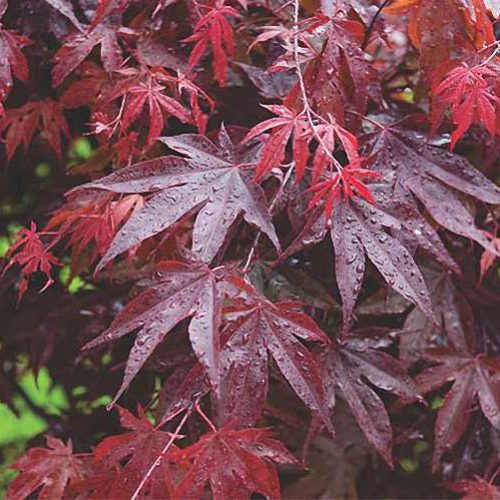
(230, 139)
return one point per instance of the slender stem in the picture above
(366, 118)
(492, 55)
(202, 414)
(307, 107)
(155, 464)
(369, 30)
(277, 196)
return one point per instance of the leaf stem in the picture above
(202, 414)
(277, 196)
(305, 102)
(369, 30)
(155, 464)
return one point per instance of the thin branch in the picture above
(369, 30)
(493, 54)
(202, 414)
(277, 196)
(155, 464)
(307, 107)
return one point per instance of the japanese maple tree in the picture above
(253, 238)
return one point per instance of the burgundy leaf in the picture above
(261, 328)
(66, 9)
(49, 470)
(351, 371)
(80, 45)
(215, 181)
(235, 463)
(472, 376)
(177, 292)
(134, 453)
(433, 176)
(358, 228)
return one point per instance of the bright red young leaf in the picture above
(21, 124)
(475, 378)
(260, 328)
(470, 96)
(475, 489)
(176, 292)
(147, 90)
(352, 369)
(52, 469)
(288, 124)
(214, 29)
(132, 454)
(214, 180)
(90, 224)
(328, 134)
(33, 256)
(234, 463)
(343, 184)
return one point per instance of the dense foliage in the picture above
(278, 225)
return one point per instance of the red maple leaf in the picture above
(288, 123)
(433, 176)
(297, 126)
(49, 470)
(80, 45)
(235, 463)
(338, 78)
(214, 29)
(90, 224)
(146, 89)
(327, 133)
(346, 182)
(260, 328)
(33, 256)
(14, 63)
(475, 377)
(470, 96)
(21, 124)
(358, 228)
(214, 180)
(132, 454)
(351, 368)
(178, 291)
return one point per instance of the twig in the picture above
(369, 30)
(278, 195)
(202, 414)
(307, 107)
(493, 54)
(155, 464)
